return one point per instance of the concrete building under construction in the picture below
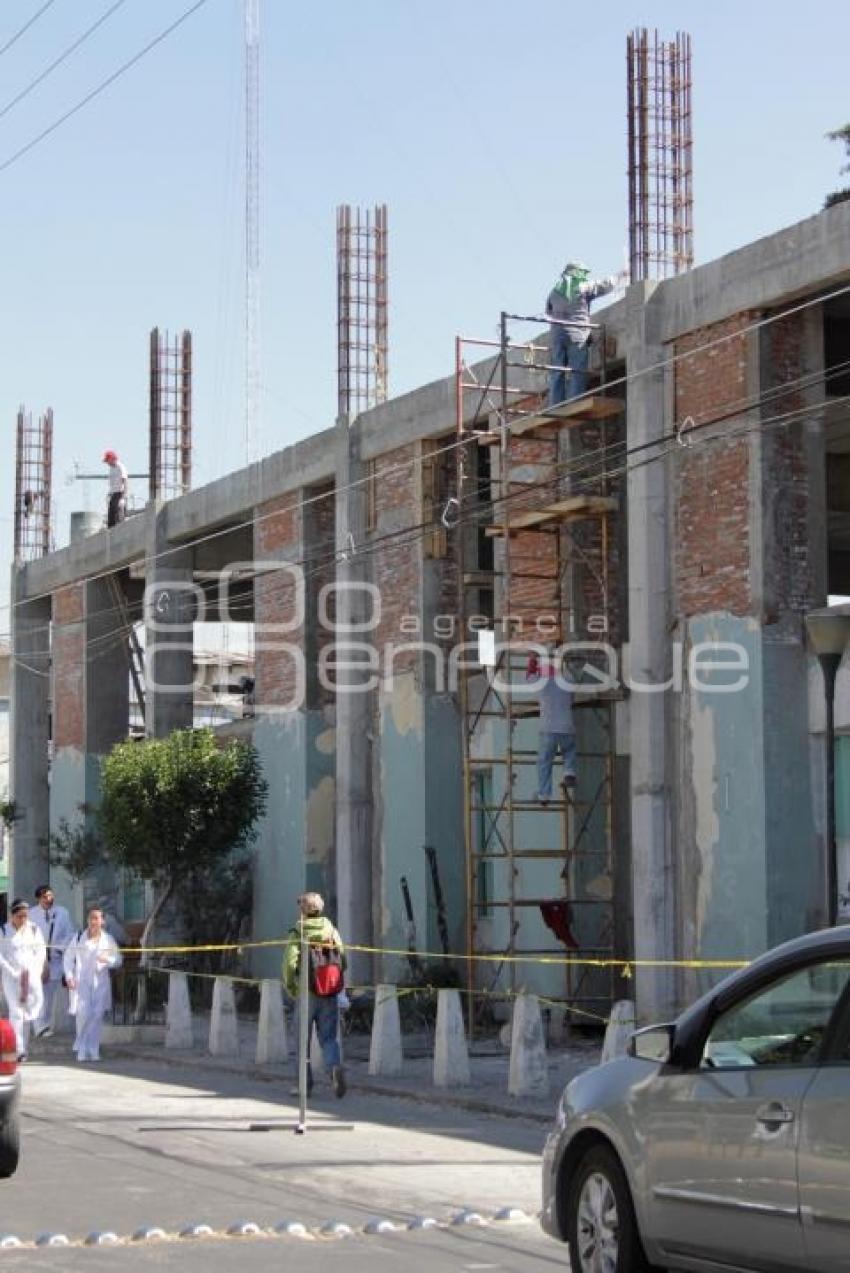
(686, 514)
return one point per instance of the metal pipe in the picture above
(830, 664)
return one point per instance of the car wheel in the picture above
(10, 1145)
(602, 1230)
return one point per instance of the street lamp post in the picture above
(829, 633)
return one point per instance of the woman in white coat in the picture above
(22, 956)
(88, 960)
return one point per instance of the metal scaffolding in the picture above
(361, 238)
(33, 486)
(661, 235)
(537, 560)
(170, 465)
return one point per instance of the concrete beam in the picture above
(169, 613)
(28, 779)
(796, 262)
(100, 554)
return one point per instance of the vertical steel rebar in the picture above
(660, 154)
(170, 459)
(33, 485)
(362, 308)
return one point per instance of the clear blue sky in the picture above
(494, 132)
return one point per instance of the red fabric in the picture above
(558, 917)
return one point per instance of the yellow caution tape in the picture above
(561, 961)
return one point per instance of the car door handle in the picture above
(774, 1114)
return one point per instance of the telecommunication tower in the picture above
(252, 231)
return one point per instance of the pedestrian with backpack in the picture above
(326, 971)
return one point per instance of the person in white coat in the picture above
(22, 956)
(89, 959)
(56, 928)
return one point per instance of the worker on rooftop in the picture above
(568, 307)
(118, 489)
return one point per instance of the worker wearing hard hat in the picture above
(118, 488)
(568, 307)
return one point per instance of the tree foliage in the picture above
(841, 135)
(78, 850)
(175, 805)
(179, 805)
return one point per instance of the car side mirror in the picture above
(653, 1043)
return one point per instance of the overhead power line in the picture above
(63, 56)
(126, 66)
(23, 30)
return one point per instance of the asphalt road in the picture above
(129, 1144)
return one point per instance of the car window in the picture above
(781, 1024)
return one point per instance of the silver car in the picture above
(722, 1141)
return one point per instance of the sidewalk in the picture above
(488, 1062)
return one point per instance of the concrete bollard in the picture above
(385, 1054)
(529, 1073)
(271, 1030)
(620, 1027)
(451, 1058)
(224, 1027)
(178, 1013)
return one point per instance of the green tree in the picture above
(842, 135)
(174, 807)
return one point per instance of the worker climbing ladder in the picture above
(537, 557)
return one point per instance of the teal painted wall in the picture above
(724, 772)
(747, 815)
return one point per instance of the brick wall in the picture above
(69, 667)
(277, 536)
(396, 565)
(789, 588)
(711, 476)
(320, 546)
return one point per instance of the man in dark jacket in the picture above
(569, 306)
(320, 933)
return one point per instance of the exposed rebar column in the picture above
(361, 236)
(170, 465)
(660, 158)
(33, 485)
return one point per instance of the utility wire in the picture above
(572, 469)
(470, 439)
(57, 123)
(35, 17)
(48, 70)
(582, 470)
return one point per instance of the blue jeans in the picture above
(325, 1013)
(548, 746)
(564, 352)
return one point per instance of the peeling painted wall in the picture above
(746, 837)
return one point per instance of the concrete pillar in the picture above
(619, 1030)
(107, 671)
(654, 883)
(529, 1072)
(271, 1029)
(178, 1015)
(224, 1025)
(451, 1058)
(90, 710)
(28, 780)
(385, 1054)
(354, 864)
(170, 608)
